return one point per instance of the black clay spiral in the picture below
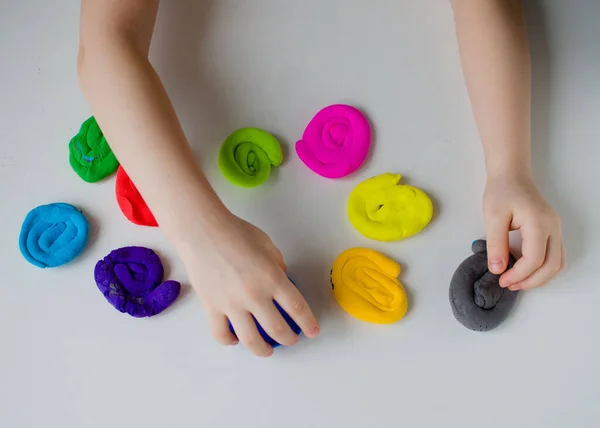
(478, 302)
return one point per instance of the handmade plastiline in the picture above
(247, 156)
(336, 142)
(295, 328)
(382, 209)
(131, 202)
(365, 284)
(53, 235)
(478, 302)
(90, 155)
(131, 279)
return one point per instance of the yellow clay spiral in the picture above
(381, 208)
(365, 284)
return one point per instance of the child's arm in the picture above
(234, 267)
(494, 51)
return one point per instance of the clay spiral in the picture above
(53, 235)
(381, 208)
(90, 155)
(477, 300)
(365, 284)
(130, 279)
(336, 142)
(247, 156)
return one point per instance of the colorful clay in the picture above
(478, 302)
(131, 279)
(90, 155)
(131, 202)
(247, 156)
(382, 209)
(336, 141)
(53, 235)
(365, 284)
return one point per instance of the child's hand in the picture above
(515, 203)
(238, 272)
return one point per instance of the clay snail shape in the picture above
(383, 209)
(478, 302)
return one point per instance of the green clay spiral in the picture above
(90, 155)
(247, 155)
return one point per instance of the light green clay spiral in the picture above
(247, 155)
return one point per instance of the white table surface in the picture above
(68, 359)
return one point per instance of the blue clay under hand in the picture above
(295, 328)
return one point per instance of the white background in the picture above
(68, 359)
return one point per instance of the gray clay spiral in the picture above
(478, 302)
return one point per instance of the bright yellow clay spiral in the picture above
(365, 284)
(383, 209)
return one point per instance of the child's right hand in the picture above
(237, 272)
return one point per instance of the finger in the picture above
(219, 328)
(273, 323)
(534, 254)
(496, 230)
(280, 261)
(563, 266)
(551, 266)
(245, 329)
(292, 301)
(563, 263)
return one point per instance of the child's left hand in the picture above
(516, 204)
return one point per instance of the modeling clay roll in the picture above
(382, 209)
(336, 141)
(90, 155)
(365, 284)
(247, 155)
(130, 278)
(131, 202)
(478, 302)
(53, 235)
(295, 328)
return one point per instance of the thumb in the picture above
(497, 228)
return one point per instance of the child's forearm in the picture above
(134, 112)
(494, 52)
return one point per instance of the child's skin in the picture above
(233, 266)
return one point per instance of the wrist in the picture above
(501, 167)
(197, 211)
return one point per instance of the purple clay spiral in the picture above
(130, 278)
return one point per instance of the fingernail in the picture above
(313, 332)
(268, 354)
(496, 265)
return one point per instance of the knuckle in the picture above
(279, 328)
(537, 260)
(563, 266)
(534, 260)
(253, 342)
(537, 231)
(555, 267)
(554, 217)
(228, 304)
(223, 337)
(251, 291)
(297, 306)
(274, 276)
